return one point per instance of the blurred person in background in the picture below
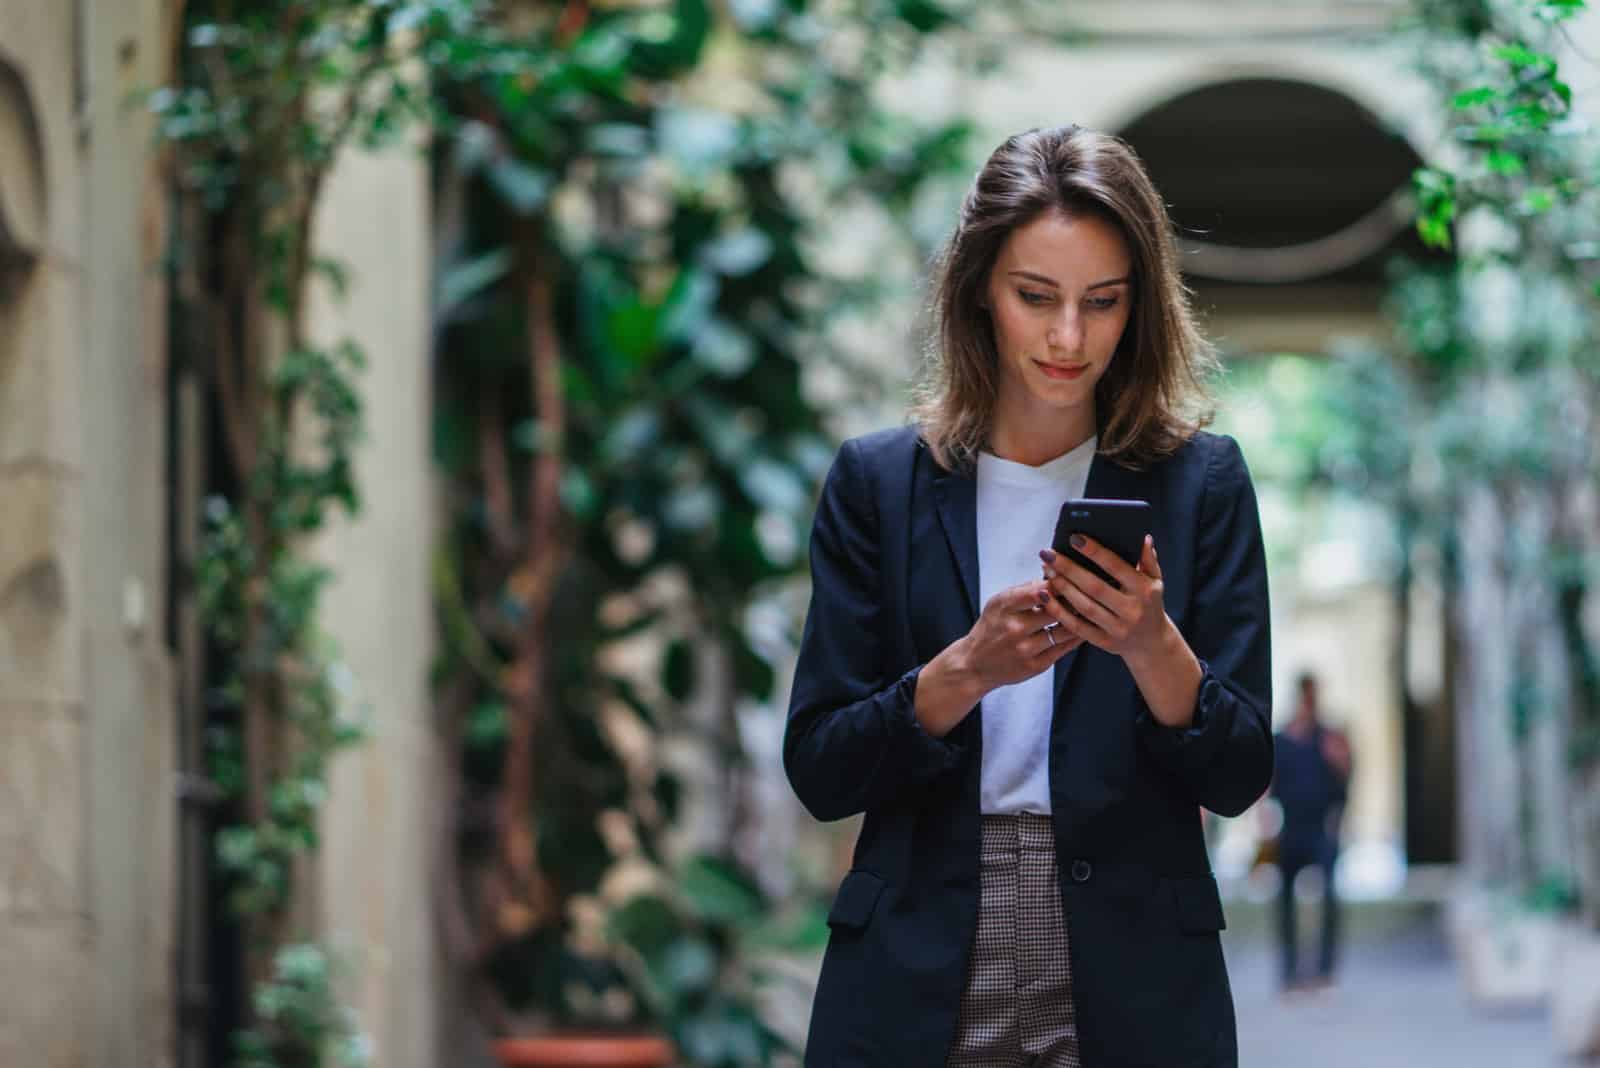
(1029, 743)
(1311, 783)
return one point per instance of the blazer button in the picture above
(1081, 871)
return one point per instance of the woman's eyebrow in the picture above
(1125, 279)
(1047, 280)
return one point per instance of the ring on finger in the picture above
(1047, 634)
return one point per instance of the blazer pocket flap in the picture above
(1199, 904)
(858, 895)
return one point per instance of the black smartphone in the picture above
(1118, 525)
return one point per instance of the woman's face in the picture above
(1059, 296)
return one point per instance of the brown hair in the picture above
(1162, 362)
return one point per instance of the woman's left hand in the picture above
(1131, 622)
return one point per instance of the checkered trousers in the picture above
(1016, 1009)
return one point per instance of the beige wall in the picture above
(86, 733)
(380, 824)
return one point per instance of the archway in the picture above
(22, 209)
(1292, 200)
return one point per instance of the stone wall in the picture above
(86, 816)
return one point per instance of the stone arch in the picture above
(22, 183)
(1276, 179)
(32, 581)
(1292, 194)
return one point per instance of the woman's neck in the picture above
(1039, 441)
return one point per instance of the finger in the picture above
(1114, 601)
(1095, 620)
(1060, 613)
(1106, 560)
(1045, 654)
(1148, 564)
(1025, 597)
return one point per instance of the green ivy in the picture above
(269, 93)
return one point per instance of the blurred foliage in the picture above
(1488, 404)
(1484, 400)
(633, 194)
(1522, 151)
(267, 94)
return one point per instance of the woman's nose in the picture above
(1065, 334)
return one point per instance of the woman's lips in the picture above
(1066, 373)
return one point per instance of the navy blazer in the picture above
(894, 564)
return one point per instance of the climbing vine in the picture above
(267, 95)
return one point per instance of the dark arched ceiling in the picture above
(1286, 166)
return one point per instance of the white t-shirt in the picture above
(1017, 508)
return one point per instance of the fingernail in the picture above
(1047, 555)
(1043, 597)
(1077, 541)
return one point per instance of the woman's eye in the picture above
(1103, 303)
(1029, 297)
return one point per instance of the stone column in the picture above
(45, 928)
(86, 731)
(375, 870)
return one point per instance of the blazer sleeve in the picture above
(852, 740)
(1225, 756)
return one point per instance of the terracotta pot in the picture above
(585, 1051)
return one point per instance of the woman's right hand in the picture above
(1008, 643)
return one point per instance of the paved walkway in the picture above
(1399, 1003)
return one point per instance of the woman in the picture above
(1030, 885)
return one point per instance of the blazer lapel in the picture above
(957, 497)
(1107, 479)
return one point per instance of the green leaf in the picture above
(696, 139)
(688, 304)
(486, 726)
(524, 187)
(578, 494)
(647, 923)
(633, 331)
(724, 349)
(687, 966)
(1558, 10)
(1520, 56)
(631, 436)
(692, 508)
(460, 282)
(924, 16)
(717, 891)
(1434, 233)
(618, 139)
(737, 253)
(753, 15)
(1537, 201)
(1501, 161)
(1472, 98)
(601, 53)
(774, 485)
